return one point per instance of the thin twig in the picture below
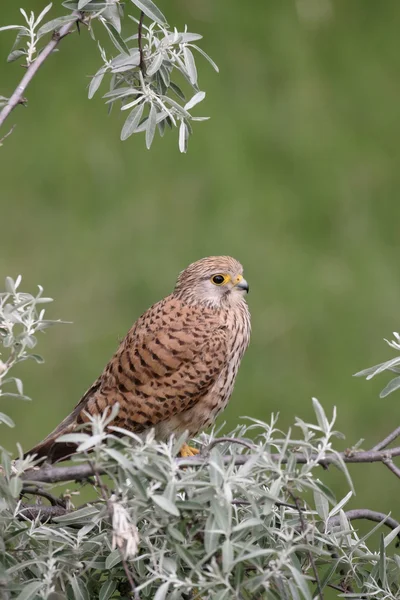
(44, 513)
(390, 438)
(17, 96)
(7, 134)
(142, 64)
(36, 491)
(370, 515)
(231, 440)
(310, 556)
(390, 465)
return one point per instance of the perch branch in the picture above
(54, 474)
(18, 94)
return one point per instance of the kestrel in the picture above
(177, 365)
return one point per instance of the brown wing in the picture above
(156, 375)
(168, 361)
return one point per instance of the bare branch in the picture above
(390, 438)
(142, 64)
(370, 515)
(17, 96)
(44, 513)
(390, 465)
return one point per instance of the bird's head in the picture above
(216, 281)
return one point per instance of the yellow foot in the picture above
(186, 451)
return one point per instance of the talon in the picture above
(186, 451)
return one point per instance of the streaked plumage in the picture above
(176, 367)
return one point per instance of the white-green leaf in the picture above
(210, 60)
(116, 38)
(42, 14)
(107, 589)
(190, 65)
(393, 385)
(166, 504)
(113, 559)
(55, 24)
(82, 4)
(320, 414)
(195, 100)
(162, 591)
(6, 419)
(183, 137)
(132, 121)
(96, 82)
(30, 590)
(151, 126)
(151, 11)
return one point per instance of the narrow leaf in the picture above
(151, 126)
(151, 11)
(132, 121)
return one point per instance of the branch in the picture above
(390, 438)
(50, 474)
(43, 513)
(142, 65)
(310, 555)
(370, 515)
(17, 96)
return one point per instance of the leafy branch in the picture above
(145, 76)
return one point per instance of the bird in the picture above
(175, 369)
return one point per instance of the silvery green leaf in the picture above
(393, 385)
(195, 100)
(79, 588)
(166, 504)
(82, 515)
(151, 126)
(54, 24)
(132, 121)
(133, 103)
(340, 504)
(12, 27)
(190, 64)
(321, 505)
(96, 81)
(227, 556)
(178, 107)
(15, 486)
(161, 127)
(9, 285)
(15, 55)
(210, 60)
(75, 438)
(151, 11)
(183, 137)
(321, 416)
(164, 72)
(119, 458)
(162, 591)
(116, 38)
(113, 559)
(189, 37)
(301, 582)
(42, 14)
(154, 64)
(177, 90)
(7, 420)
(107, 589)
(30, 590)
(112, 15)
(388, 539)
(82, 4)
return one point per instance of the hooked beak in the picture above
(241, 283)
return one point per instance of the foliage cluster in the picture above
(147, 69)
(249, 517)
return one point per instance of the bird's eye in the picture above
(218, 279)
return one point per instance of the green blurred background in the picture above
(296, 175)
